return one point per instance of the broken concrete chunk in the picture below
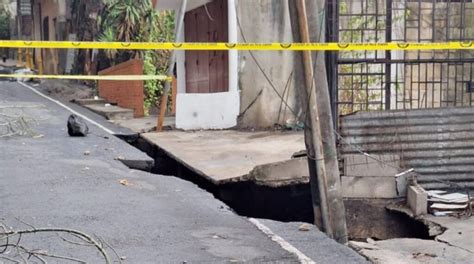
(362, 245)
(278, 174)
(441, 206)
(124, 182)
(305, 227)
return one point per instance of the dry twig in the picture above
(24, 254)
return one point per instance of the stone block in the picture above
(111, 112)
(90, 101)
(417, 199)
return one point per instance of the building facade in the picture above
(224, 89)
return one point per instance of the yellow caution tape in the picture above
(466, 45)
(90, 77)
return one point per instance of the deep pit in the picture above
(292, 203)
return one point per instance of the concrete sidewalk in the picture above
(232, 156)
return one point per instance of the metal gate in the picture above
(379, 80)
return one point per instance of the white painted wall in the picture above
(175, 4)
(207, 111)
(215, 110)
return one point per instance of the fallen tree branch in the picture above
(6, 235)
(64, 230)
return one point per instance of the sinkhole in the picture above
(366, 218)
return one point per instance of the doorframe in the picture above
(233, 54)
(220, 110)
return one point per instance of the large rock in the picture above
(76, 127)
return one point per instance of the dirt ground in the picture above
(66, 90)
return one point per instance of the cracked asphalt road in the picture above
(48, 181)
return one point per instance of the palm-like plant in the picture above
(137, 21)
(128, 17)
(130, 20)
(108, 35)
(127, 21)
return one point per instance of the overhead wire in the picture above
(259, 66)
(360, 150)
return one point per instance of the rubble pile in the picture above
(443, 203)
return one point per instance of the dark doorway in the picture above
(46, 28)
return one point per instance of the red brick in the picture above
(128, 94)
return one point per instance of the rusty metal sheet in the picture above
(437, 143)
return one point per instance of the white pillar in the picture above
(179, 55)
(233, 54)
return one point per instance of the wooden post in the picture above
(162, 114)
(174, 94)
(164, 105)
(32, 61)
(55, 60)
(28, 59)
(20, 57)
(316, 140)
(335, 197)
(312, 127)
(40, 62)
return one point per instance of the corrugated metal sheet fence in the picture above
(437, 143)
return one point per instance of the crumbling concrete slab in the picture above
(229, 155)
(294, 171)
(459, 231)
(409, 250)
(452, 243)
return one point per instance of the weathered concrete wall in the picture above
(265, 21)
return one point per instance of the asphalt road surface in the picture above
(50, 180)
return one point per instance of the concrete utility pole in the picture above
(319, 137)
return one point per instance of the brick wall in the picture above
(127, 94)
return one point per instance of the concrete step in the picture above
(147, 124)
(111, 112)
(90, 101)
